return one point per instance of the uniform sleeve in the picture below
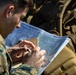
(4, 66)
(24, 69)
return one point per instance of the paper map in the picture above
(51, 43)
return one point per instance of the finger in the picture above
(37, 49)
(25, 53)
(20, 54)
(18, 48)
(15, 48)
(29, 43)
(41, 60)
(11, 49)
(25, 42)
(40, 63)
(41, 53)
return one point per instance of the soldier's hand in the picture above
(36, 59)
(16, 52)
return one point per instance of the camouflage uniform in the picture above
(5, 63)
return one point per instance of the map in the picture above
(52, 43)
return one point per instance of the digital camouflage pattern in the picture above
(25, 70)
(5, 63)
(4, 69)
